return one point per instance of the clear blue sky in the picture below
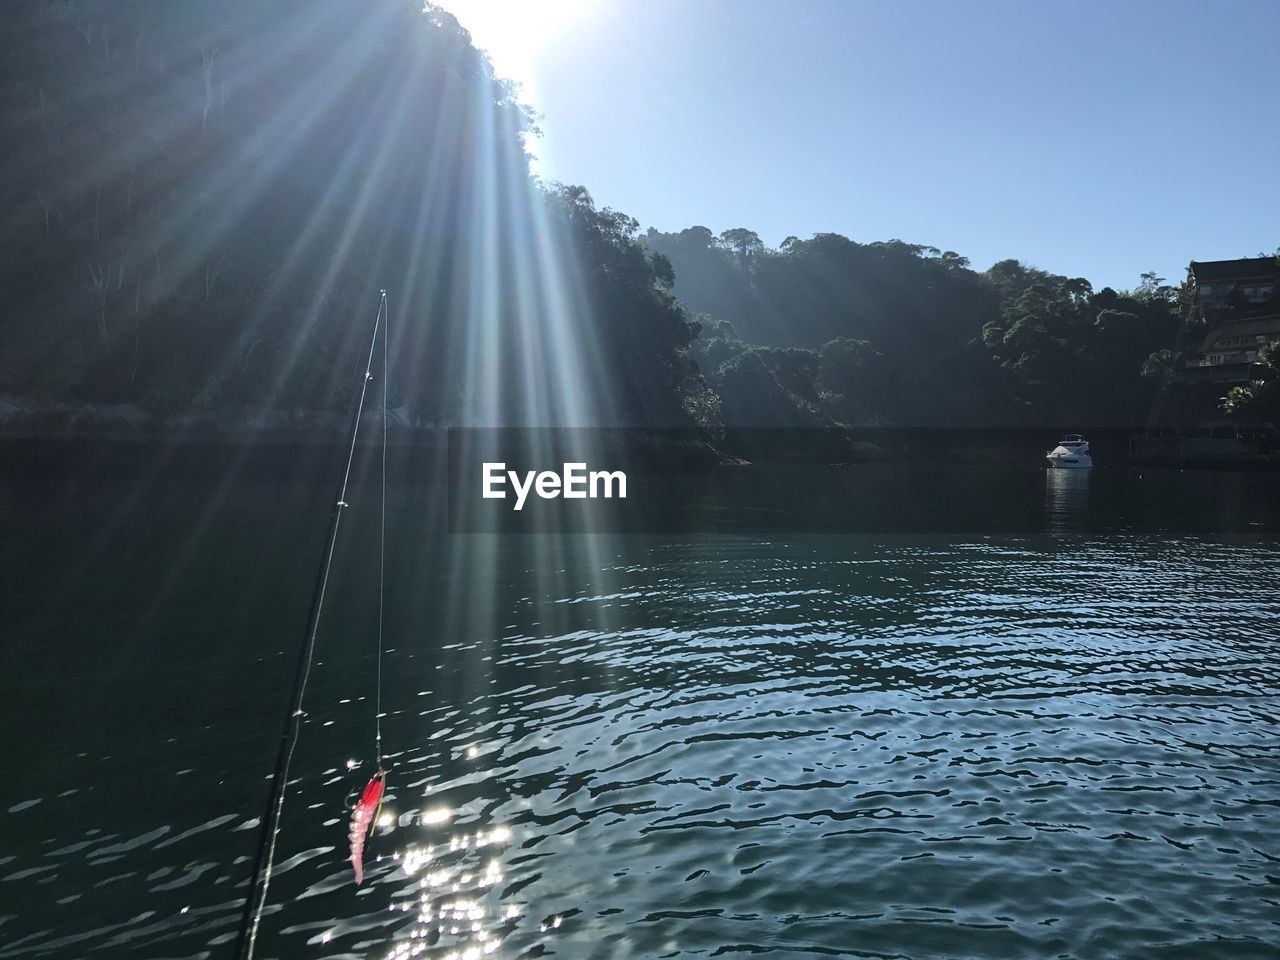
(1098, 139)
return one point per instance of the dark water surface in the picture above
(1063, 744)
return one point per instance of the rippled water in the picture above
(882, 746)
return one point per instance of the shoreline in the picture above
(78, 433)
(426, 454)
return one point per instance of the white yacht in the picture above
(1071, 453)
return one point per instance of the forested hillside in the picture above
(901, 334)
(201, 201)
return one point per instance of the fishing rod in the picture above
(264, 861)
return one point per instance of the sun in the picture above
(515, 32)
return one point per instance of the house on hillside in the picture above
(1251, 282)
(1229, 351)
(1239, 303)
(1241, 299)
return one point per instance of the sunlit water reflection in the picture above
(1066, 500)
(868, 746)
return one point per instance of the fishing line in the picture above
(382, 540)
(264, 861)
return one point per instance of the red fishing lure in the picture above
(363, 816)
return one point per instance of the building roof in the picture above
(1209, 271)
(1266, 326)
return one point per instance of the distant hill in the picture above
(906, 334)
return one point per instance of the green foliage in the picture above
(712, 354)
(852, 382)
(743, 242)
(1012, 344)
(922, 308)
(752, 395)
(1152, 287)
(1161, 364)
(638, 330)
(1261, 396)
(793, 368)
(1117, 324)
(703, 407)
(203, 201)
(725, 329)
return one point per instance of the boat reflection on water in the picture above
(1066, 500)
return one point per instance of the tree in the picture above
(1161, 364)
(1260, 396)
(851, 381)
(202, 201)
(745, 243)
(752, 397)
(1153, 287)
(955, 346)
